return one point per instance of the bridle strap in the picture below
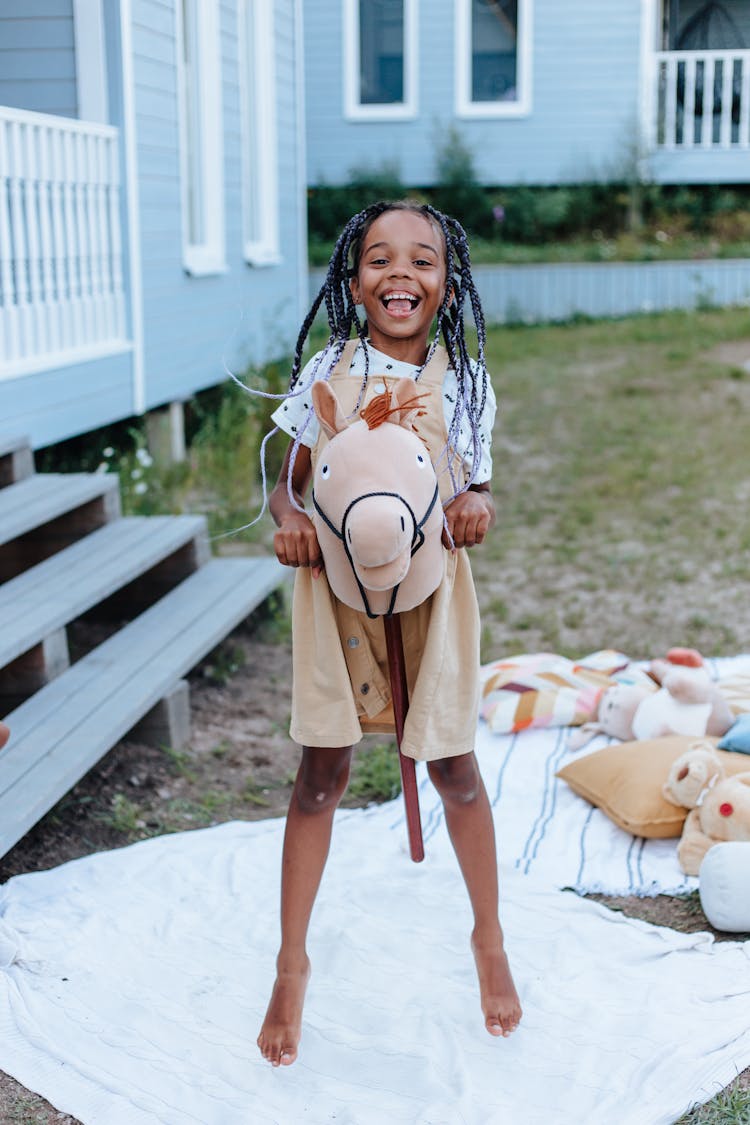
(417, 539)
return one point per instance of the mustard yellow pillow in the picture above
(625, 780)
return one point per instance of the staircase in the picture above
(66, 551)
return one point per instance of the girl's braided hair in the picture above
(335, 295)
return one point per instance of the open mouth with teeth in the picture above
(399, 303)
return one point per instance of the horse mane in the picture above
(379, 409)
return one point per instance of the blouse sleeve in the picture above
(465, 444)
(486, 423)
(295, 415)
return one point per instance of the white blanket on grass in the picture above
(134, 983)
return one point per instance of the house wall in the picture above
(37, 56)
(192, 325)
(53, 405)
(585, 79)
(183, 328)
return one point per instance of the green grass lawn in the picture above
(622, 475)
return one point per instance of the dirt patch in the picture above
(736, 353)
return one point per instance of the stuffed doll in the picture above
(683, 700)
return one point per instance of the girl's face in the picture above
(401, 282)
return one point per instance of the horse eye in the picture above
(325, 471)
(420, 460)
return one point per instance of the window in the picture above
(260, 153)
(201, 139)
(493, 58)
(380, 57)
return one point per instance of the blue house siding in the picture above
(585, 80)
(37, 56)
(192, 325)
(696, 167)
(57, 404)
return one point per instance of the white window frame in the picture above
(465, 107)
(209, 255)
(260, 147)
(354, 110)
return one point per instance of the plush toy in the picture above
(379, 522)
(719, 805)
(682, 700)
(4, 735)
(692, 774)
(377, 509)
(722, 815)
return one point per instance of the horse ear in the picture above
(329, 412)
(405, 395)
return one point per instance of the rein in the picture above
(417, 538)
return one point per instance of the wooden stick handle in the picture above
(400, 697)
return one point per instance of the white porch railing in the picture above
(703, 99)
(61, 280)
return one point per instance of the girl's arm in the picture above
(470, 516)
(295, 542)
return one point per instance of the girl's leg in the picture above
(469, 820)
(320, 784)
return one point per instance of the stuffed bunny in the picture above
(683, 700)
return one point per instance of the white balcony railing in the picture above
(61, 280)
(703, 100)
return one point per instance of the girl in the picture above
(406, 264)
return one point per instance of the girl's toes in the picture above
(288, 1055)
(494, 1026)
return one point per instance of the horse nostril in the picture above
(403, 525)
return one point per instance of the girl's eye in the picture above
(421, 461)
(325, 471)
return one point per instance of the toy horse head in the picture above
(377, 513)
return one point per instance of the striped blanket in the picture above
(548, 833)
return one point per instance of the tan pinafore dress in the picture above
(340, 684)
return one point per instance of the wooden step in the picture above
(45, 497)
(16, 459)
(63, 587)
(48, 511)
(63, 730)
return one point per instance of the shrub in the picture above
(329, 207)
(459, 192)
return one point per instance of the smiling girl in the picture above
(407, 265)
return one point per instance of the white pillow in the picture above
(725, 886)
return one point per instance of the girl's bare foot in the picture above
(500, 1003)
(282, 1027)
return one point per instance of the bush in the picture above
(459, 192)
(613, 213)
(329, 207)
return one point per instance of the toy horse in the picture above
(379, 520)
